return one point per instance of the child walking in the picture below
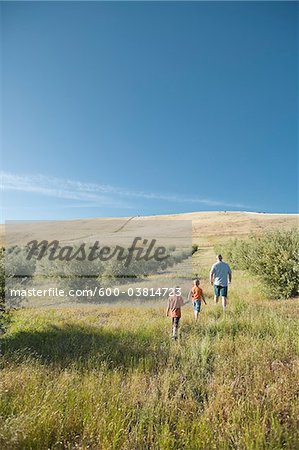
(196, 294)
(175, 303)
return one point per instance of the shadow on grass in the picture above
(85, 348)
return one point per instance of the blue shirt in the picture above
(221, 270)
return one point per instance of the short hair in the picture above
(219, 257)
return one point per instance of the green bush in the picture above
(194, 248)
(273, 256)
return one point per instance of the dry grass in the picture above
(208, 228)
(109, 377)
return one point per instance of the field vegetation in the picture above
(273, 257)
(109, 376)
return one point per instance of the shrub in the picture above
(194, 248)
(273, 256)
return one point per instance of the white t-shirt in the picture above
(221, 270)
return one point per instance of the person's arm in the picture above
(203, 298)
(229, 274)
(167, 309)
(181, 302)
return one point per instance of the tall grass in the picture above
(111, 378)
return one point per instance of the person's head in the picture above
(219, 257)
(177, 290)
(196, 282)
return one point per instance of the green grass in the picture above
(109, 377)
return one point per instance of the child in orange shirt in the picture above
(196, 293)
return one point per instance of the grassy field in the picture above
(110, 377)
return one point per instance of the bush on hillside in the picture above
(273, 256)
(195, 248)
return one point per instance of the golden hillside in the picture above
(207, 227)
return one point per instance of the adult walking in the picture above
(220, 276)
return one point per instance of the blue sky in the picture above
(118, 109)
